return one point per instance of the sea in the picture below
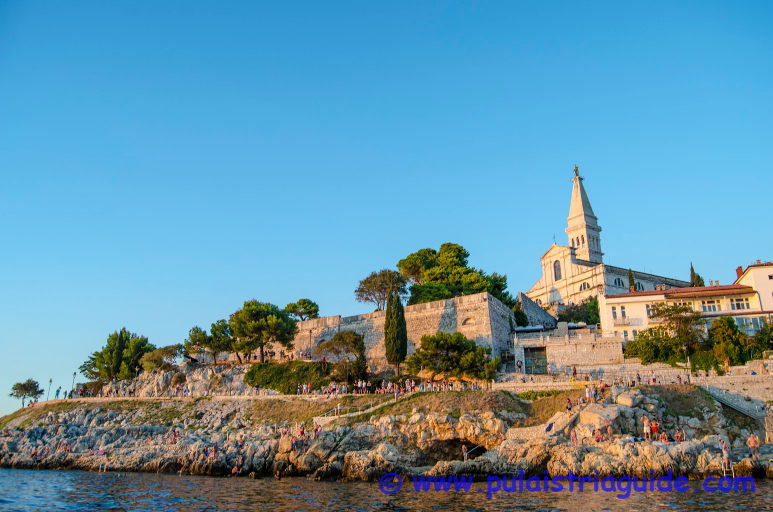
(50, 490)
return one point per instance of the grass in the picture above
(543, 408)
(682, 399)
(278, 410)
(285, 377)
(454, 403)
(31, 414)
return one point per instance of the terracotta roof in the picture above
(695, 291)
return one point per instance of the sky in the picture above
(162, 162)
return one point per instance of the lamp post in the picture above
(73, 382)
(48, 394)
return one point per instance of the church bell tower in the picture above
(582, 227)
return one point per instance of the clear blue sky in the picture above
(162, 162)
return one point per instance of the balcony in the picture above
(621, 321)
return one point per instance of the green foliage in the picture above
(395, 332)
(655, 345)
(119, 358)
(347, 348)
(377, 287)
(704, 360)
(695, 278)
(444, 274)
(631, 280)
(27, 389)
(285, 377)
(161, 359)
(761, 342)
(452, 355)
(680, 322)
(729, 343)
(260, 324)
(587, 312)
(304, 309)
(220, 339)
(521, 320)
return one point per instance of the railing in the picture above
(622, 321)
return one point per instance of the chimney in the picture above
(759, 262)
(738, 272)
(631, 289)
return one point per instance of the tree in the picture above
(521, 320)
(348, 350)
(729, 343)
(395, 332)
(304, 309)
(260, 324)
(444, 274)
(680, 322)
(378, 285)
(695, 278)
(587, 312)
(220, 339)
(162, 358)
(452, 355)
(119, 358)
(27, 389)
(631, 281)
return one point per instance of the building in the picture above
(749, 301)
(576, 272)
(480, 317)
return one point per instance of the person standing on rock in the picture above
(725, 454)
(647, 428)
(464, 452)
(754, 447)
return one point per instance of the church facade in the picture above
(576, 272)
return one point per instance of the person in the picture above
(725, 454)
(678, 435)
(610, 432)
(654, 425)
(464, 452)
(573, 437)
(519, 365)
(568, 405)
(664, 437)
(647, 428)
(754, 447)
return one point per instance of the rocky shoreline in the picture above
(212, 436)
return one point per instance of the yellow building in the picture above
(749, 301)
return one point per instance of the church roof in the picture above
(580, 204)
(693, 291)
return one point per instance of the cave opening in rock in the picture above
(450, 449)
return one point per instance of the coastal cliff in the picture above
(426, 433)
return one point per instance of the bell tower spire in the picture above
(582, 227)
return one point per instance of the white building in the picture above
(749, 301)
(575, 272)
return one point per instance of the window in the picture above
(556, 270)
(650, 310)
(639, 287)
(770, 276)
(738, 304)
(710, 306)
(619, 282)
(614, 313)
(583, 239)
(622, 311)
(625, 334)
(635, 333)
(468, 321)
(584, 286)
(539, 302)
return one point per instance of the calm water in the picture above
(24, 490)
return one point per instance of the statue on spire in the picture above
(576, 170)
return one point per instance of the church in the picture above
(576, 272)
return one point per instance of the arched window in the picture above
(468, 321)
(639, 287)
(583, 239)
(619, 282)
(584, 286)
(556, 270)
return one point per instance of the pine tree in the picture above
(395, 332)
(695, 278)
(631, 281)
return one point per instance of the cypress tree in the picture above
(695, 278)
(395, 332)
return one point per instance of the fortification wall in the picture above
(480, 317)
(584, 353)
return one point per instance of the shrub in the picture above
(285, 377)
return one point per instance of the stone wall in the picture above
(480, 317)
(584, 353)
